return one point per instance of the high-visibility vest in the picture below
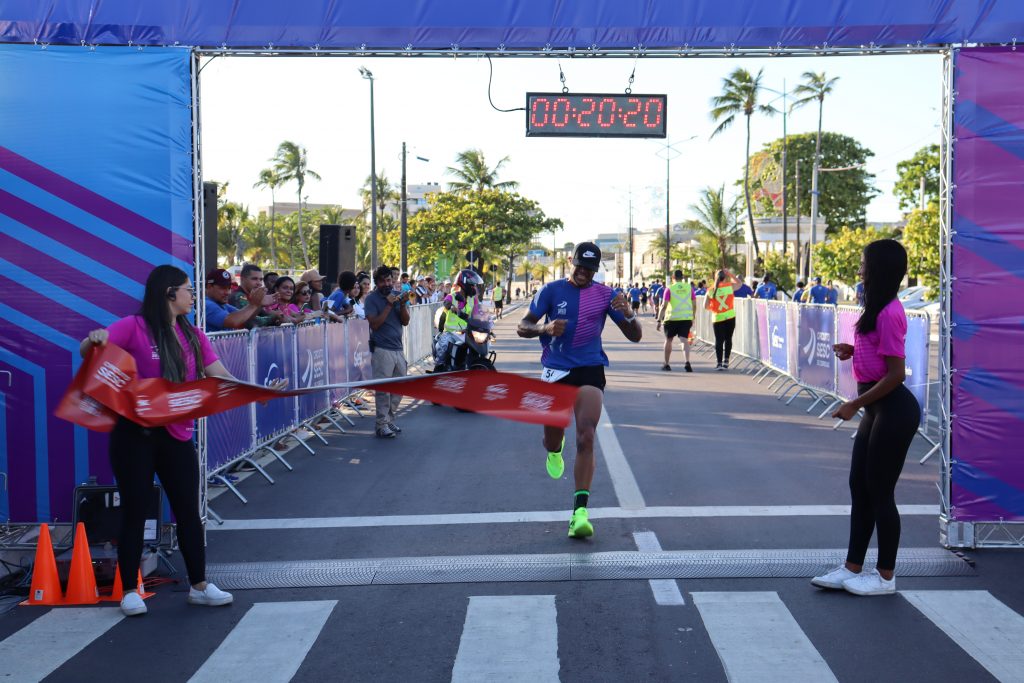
(722, 303)
(497, 294)
(452, 322)
(680, 305)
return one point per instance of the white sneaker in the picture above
(870, 583)
(132, 604)
(834, 579)
(211, 596)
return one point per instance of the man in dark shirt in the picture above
(387, 314)
(251, 280)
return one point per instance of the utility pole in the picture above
(405, 218)
(798, 212)
(785, 145)
(630, 234)
(668, 223)
(814, 204)
(921, 197)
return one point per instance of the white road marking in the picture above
(758, 639)
(623, 481)
(268, 645)
(666, 591)
(39, 649)
(985, 628)
(508, 638)
(672, 512)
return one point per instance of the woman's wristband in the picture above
(629, 320)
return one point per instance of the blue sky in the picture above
(439, 106)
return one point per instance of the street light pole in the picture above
(670, 153)
(630, 234)
(368, 75)
(405, 219)
(785, 146)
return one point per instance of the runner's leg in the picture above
(668, 349)
(553, 438)
(588, 414)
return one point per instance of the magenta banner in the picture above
(846, 328)
(988, 259)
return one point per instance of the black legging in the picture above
(879, 451)
(135, 454)
(723, 339)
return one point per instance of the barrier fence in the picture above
(794, 342)
(307, 355)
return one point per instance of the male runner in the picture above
(678, 316)
(498, 296)
(575, 310)
(634, 298)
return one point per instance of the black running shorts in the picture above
(678, 328)
(589, 376)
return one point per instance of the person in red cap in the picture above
(220, 315)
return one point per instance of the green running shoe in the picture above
(556, 465)
(579, 525)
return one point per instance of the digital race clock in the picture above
(595, 115)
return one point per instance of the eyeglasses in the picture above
(190, 290)
(304, 292)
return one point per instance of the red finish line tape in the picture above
(107, 386)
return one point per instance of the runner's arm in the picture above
(530, 327)
(630, 327)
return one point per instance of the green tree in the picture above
(292, 163)
(839, 258)
(814, 88)
(783, 269)
(844, 195)
(921, 239)
(924, 164)
(472, 173)
(739, 96)
(268, 179)
(717, 220)
(386, 192)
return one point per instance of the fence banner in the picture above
(337, 355)
(846, 324)
(764, 348)
(816, 361)
(778, 336)
(746, 342)
(274, 360)
(311, 362)
(357, 355)
(918, 331)
(230, 434)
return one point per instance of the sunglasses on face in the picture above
(190, 290)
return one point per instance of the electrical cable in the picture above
(490, 77)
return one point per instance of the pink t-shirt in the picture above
(888, 339)
(286, 308)
(132, 335)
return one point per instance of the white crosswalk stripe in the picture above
(37, 650)
(268, 644)
(758, 639)
(508, 638)
(988, 630)
(666, 591)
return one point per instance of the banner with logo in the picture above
(274, 362)
(358, 356)
(230, 433)
(778, 336)
(846, 328)
(337, 358)
(764, 346)
(816, 360)
(312, 368)
(918, 331)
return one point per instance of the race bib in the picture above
(551, 375)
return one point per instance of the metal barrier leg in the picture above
(259, 469)
(278, 456)
(802, 390)
(231, 487)
(210, 513)
(831, 406)
(775, 381)
(786, 392)
(327, 416)
(302, 443)
(815, 404)
(765, 376)
(785, 385)
(308, 425)
(936, 446)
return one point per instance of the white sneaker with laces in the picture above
(211, 596)
(132, 604)
(870, 583)
(834, 579)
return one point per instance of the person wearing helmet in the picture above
(574, 311)
(459, 306)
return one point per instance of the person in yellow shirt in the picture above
(721, 302)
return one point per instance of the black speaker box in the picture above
(337, 251)
(209, 230)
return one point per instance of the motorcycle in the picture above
(469, 349)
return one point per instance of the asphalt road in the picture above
(710, 462)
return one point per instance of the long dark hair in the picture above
(885, 264)
(719, 276)
(156, 312)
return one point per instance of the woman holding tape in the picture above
(891, 417)
(164, 344)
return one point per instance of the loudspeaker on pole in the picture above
(337, 251)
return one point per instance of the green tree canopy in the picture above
(921, 239)
(845, 195)
(783, 269)
(924, 164)
(472, 173)
(839, 258)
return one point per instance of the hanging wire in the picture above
(490, 77)
(629, 88)
(561, 77)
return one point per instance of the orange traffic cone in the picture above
(45, 582)
(82, 579)
(117, 592)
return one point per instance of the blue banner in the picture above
(274, 360)
(229, 434)
(777, 336)
(337, 365)
(816, 362)
(358, 355)
(918, 330)
(312, 369)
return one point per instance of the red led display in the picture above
(595, 115)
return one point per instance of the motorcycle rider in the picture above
(459, 306)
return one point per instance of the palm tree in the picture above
(814, 87)
(717, 221)
(386, 192)
(739, 96)
(269, 179)
(472, 173)
(291, 163)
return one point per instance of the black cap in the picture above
(587, 255)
